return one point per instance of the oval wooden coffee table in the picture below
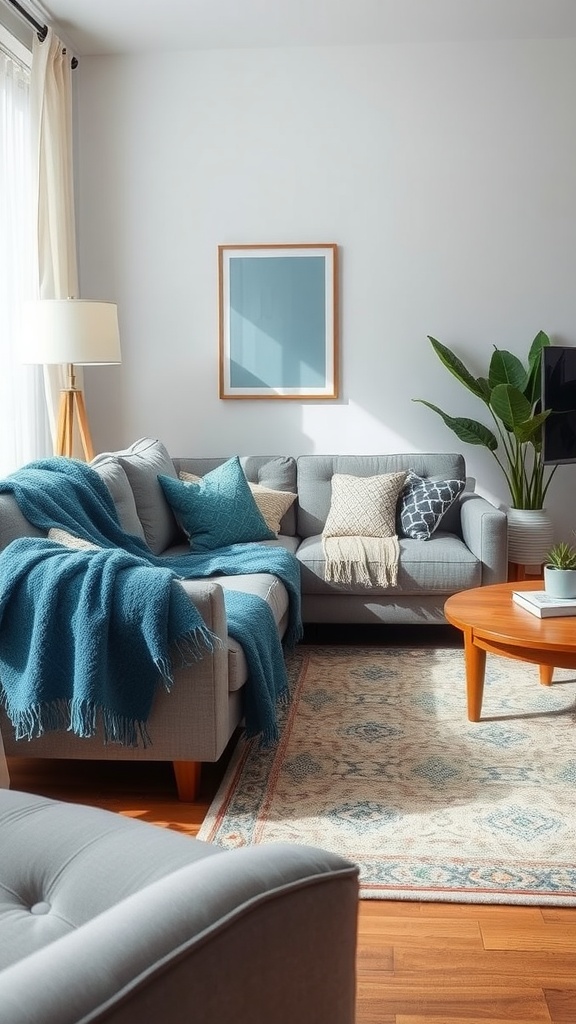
(492, 622)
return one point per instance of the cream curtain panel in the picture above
(51, 116)
(24, 432)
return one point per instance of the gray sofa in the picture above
(195, 722)
(104, 918)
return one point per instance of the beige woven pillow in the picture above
(363, 506)
(70, 541)
(272, 504)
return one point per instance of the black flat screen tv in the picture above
(559, 395)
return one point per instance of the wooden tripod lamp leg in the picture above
(83, 427)
(65, 424)
(71, 405)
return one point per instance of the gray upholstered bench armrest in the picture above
(485, 533)
(252, 936)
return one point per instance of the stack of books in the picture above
(542, 604)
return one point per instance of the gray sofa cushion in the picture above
(143, 462)
(441, 565)
(108, 467)
(276, 472)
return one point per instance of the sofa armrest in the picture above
(249, 936)
(196, 713)
(208, 598)
(485, 533)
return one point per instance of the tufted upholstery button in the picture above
(40, 908)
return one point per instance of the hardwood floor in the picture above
(418, 963)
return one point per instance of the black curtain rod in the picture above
(41, 30)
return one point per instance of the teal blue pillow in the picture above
(217, 511)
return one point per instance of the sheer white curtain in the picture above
(24, 433)
(53, 182)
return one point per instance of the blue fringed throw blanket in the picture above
(87, 633)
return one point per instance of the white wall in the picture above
(445, 172)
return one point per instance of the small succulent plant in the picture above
(562, 556)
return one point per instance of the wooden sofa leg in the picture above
(187, 775)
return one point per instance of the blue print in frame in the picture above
(278, 319)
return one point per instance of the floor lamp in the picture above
(71, 332)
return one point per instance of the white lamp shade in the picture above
(70, 331)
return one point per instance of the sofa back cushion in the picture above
(143, 462)
(315, 472)
(13, 523)
(109, 468)
(276, 472)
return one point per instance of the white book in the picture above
(542, 604)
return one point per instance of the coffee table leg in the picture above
(475, 659)
(546, 674)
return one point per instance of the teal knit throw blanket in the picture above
(89, 634)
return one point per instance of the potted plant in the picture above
(511, 394)
(560, 571)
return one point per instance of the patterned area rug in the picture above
(378, 762)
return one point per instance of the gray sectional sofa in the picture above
(195, 722)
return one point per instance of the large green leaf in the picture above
(469, 431)
(485, 388)
(457, 368)
(506, 368)
(533, 389)
(510, 406)
(540, 341)
(531, 429)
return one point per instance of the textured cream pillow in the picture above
(272, 504)
(363, 506)
(70, 541)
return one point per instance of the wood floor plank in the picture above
(540, 965)
(425, 1019)
(421, 931)
(561, 1004)
(481, 910)
(375, 1015)
(370, 959)
(436, 1004)
(391, 908)
(559, 913)
(558, 936)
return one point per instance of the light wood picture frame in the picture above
(278, 321)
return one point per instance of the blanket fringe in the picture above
(33, 721)
(364, 561)
(79, 717)
(191, 647)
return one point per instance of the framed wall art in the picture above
(278, 321)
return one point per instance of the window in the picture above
(24, 429)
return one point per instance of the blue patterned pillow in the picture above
(422, 504)
(218, 510)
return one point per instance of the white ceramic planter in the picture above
(560, 582)
(530, 535)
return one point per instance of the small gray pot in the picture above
(560, 582)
